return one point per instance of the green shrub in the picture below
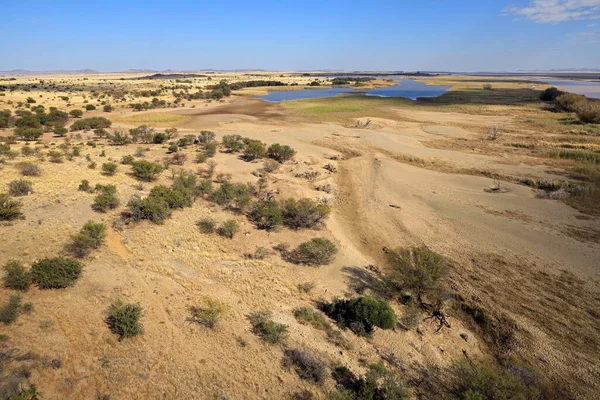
(233, 143)
(232, 195)
(108, 108)
(210, 149)
(127, 160)
(362, 314)
(154, 209)
(209, 315)
(90, 123)
(107, 199)
(254, 149)
(15, 277)
(84, 186)
(89, 238)
(119, 139)
(303, 213)
(56, 156)
(473, 382)
(10, 311)
(377, 384)
(281, 153)
(90, 107)
(206, 137)
(55, 273)
(60, 132)
(29, 169)
(206, 225)
(268, 330)
(9, 209)
(20, 187)
(201, 157)
(550, 94)
(124, 319)
(228, 228)
(109, 169)
(418, 269)
(588, 111)
(317, 251)
(567, 101)
(173, 198)
(146, 170)
(265, 214)
(76, 113)
(307, 366)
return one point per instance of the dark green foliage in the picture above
(187, 140)
(474, 382)
(89, 238)
(206, 225)
(154, 209)
(550, 94)
(172, 148)
(84, 186)
(417, 269)
(348, 80)
(6, 119)
(232, 195)
(76, 113)
(307, 366)
(10, 311)
(124, 319)
(256, 83)
(29, 133)
(55, 273)
(173, 198)
(315, 83)
(90, 107)
(15, 277)
(266, 214)
(109, 168)
(233, 143)
(146, 170)
(119, 139)
(362, 314)
(281, 153)
(91, 123)
(20, 187)
(268, 330)
(303, 213)
(107, 199)
(254, 149)
(317, 251)
(107, 108)
(228, 228)
(60, 132)
(376, 384)
(9, 209)
(29, 169)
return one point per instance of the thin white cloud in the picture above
(553, 11)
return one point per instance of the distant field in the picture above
(150, 118)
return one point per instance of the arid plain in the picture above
(478, 175)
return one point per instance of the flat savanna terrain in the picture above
(496, 181)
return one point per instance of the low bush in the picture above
(9, 312)
(124, 319)
(587, 111)
(29, 169)
(362, 314)
(84, 186)
(20, 187)
(210, 149)
(56, 157)
(16, 277)
(317, 251)
(9, 209)
(209, 315)
(233, 143)
(270, 166)
(254, 149)
(89, 238)
(228, 228)
(236, 196)
(206, 225)
(307, 366)
(268, 330)
(146, 170)
(303, 213)
(550, 94)
(154, 209)
(107, 199)
(265, 214)
(55, 273)
(127, 160)
(377, 384)
(419, 270)
(206, 137)
(281, 153)
(109, 169)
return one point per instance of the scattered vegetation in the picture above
(89, 238)
(16, 276)
(107, 199)
(315, 252)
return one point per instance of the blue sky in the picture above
(467, 35)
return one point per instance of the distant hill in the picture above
(25, 72)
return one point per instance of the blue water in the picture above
(589, 89)
(406, 88)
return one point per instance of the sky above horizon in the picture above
(410, 35)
